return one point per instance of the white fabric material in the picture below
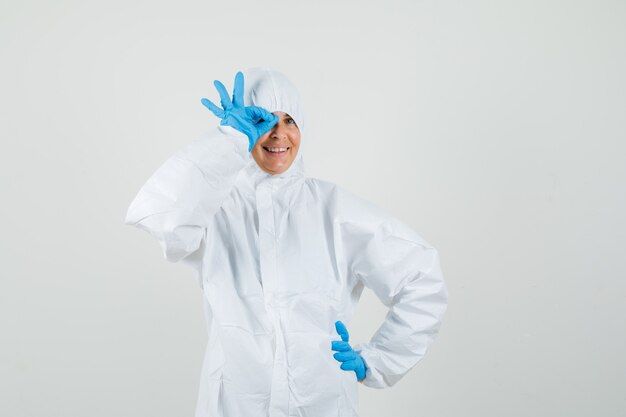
(281, 258)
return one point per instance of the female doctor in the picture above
(282, 260)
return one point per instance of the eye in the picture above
(290, 121)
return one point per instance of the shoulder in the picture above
(357, 216)
(346, 206)
(320, 183)
(333, 193)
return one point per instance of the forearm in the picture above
(414, 290)
(181, 197)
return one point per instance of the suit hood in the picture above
(273, 91)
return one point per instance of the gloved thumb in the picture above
(262, 119)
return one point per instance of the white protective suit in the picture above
(280, 258)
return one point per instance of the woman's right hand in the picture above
(253, 121)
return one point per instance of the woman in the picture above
(282, 260)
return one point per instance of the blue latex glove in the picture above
(352, 361)
(253, 121)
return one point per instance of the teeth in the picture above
(276, 149)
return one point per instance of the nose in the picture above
(279, 132)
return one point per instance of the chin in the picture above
(276, 169)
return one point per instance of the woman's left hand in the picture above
(352, 361)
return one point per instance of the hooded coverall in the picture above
(280, 258)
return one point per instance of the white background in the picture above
(495, 128)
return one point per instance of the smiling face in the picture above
(276, 150)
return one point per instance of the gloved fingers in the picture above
(238, 90)
(342, 331)
(349, 366)
(265, 127)
(341, 346)
(224, 97)
(345, 356)
(214, 109)
(360, 373)
(257, 113)
(263, 120)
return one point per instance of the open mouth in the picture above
(275, 151)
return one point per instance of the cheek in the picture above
(257, 151)
(261, 141)
(296, 141)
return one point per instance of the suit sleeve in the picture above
(404, 272)
(178, 202)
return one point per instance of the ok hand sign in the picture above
(253, 121)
